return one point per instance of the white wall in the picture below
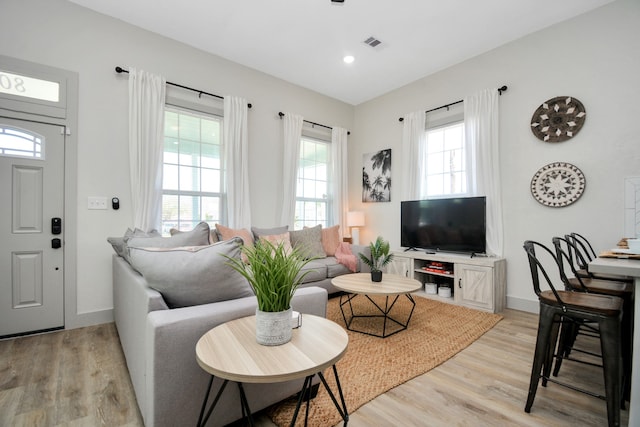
(595, 58)
(61, 34)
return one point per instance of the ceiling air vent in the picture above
(372, 41)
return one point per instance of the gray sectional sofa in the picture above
(159, 327)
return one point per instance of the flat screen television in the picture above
(449, 225)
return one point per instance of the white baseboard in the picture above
(530, 306)
(82, 320)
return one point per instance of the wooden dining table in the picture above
(627, 267)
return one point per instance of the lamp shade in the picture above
(355, 219)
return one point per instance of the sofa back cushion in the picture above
(188, 276)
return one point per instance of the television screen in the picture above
(450, 225)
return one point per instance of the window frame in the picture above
(202, 111)
(327, 200)
(436, 121)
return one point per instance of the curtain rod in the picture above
(500, 90)
(281, 114)
(200, 92)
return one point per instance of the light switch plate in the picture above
(97, 203)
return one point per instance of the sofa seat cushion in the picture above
(189, 276)
(315, 270)
(336, 269)
(333, 267)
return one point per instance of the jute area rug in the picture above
(437, 331)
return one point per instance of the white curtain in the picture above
(481, 122)
(340, 177)
(236, 159)
(292, 132)
(413, 147)
(146, 135)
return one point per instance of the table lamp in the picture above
(355, 219)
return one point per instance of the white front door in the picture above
(31, 226)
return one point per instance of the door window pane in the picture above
(15, 142)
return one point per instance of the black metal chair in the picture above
(562, 306)
(581, 253)
(622, 289)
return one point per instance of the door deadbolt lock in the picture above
(56, 225)
(56, 243)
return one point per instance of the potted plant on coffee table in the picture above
(274, 273)
(379, 258)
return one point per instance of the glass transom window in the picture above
(29, 87)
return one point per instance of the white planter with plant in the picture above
(378, 259)
(273, 271)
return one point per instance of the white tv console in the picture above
(476, 282)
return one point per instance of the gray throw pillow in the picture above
(119, 244)
(192, 275)
(199, 236)
(213, 236)
(308, 241)
(257, 232)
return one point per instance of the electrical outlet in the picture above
(97, 203)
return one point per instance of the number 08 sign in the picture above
(29, 87)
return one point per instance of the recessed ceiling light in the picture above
(348, 59)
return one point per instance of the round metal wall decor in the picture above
(558, 119)
(558, 184)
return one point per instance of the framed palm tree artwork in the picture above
(376, 176)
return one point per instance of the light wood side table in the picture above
(230, 352)
(392, 287)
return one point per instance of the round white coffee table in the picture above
(230, 352)
(391, 287)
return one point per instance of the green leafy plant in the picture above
(380, 255)
(273, 272)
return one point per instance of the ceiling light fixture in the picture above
(348, 59)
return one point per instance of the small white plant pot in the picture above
(273, 328)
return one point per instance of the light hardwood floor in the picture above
(78, 378)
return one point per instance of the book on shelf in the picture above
(437, 270)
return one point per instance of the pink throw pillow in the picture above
(331, 239)
(278, 239)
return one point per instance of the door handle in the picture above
(56, 243)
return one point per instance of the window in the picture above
(313, 200)
(193, 175)
(445, 156)
(15, 142)
(29, 87)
